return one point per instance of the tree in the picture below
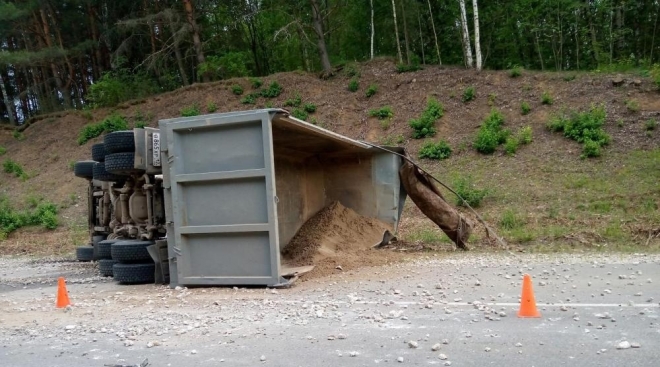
(435, 35)
(373, 33)
(320, 37)
(201, 59)
(396, 34)
(477, 43)
(466, 36)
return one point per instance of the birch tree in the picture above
(467, 48)
(396, 33)
(477, 43)
(371, 3)
(435, 35)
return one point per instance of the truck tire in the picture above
(134, 273)
(102, 175)
(98, 152)
(84, 169)
(121, 164)
(103, 250)
(98, 238)
(105, 267)
(119, 142)
(131, 251)
(85, 253)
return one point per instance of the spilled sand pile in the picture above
(337, 236)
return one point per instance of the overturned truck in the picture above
(211, 200)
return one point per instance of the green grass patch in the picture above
(515, 72)
(632, 105)
(309, 107)
(114, 122)
(439, 150)
(382, 113)
(650, 124)
(525, 108)
(585, 127)
(237, 89)
(406, 68)
(428, 236)
(191, 111)
(296, 101)
(211, 107)
(251, 99)
(465, 188)
(18, 135)
(424, 126)
(491, 134)
(469, 94)
(273, 90)
(300, 114)
(3, 150)
(353, 85)
(43, 214)
(256, 83)
(546, 98)
(371, 91)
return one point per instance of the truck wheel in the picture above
(134, 273)
(101, 174)
(119, 142)
(105, 267)
(85, 253)
(98, 238)
(121, 164)
(84, 169)
(130, 251)
(98, 152)
(104, 249)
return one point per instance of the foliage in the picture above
(211, 107)
(229, 65)
(584, 127)
(371, 91)
(140, 125)
(13, 167)
(470, 195)
(546, 98)
(491, 99)
(44, 214)
(3, 150)
(655, 74)
(190, 111)
(511, 145)
(382, 113)
(309, 107)
(273, 90)
(469, 94)
(405, 68)
(511, 220)
(439, 150)
(491, 134)
(353, 85)
(352, 70)
(18, 135)
(113, 122)
(119, 86)
(525, 135)
(250, 98)
(256, 83)
(632, 105)
(295, 101)
(525, 108)
(515, 72)
(391, 140)
(424, 126)
(650, 124)
(237, 89)
(300, 114)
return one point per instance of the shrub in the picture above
(229, 65)
(525, 108)
(510, 220)
(87, 115)
(424, 126)
(525, 135)
(619, 122)
(650, 124)
(515, 72)
(250, 99)
(655, 74)
(382, 113)
(352, 70)
(45, 214)
(191, 111)
(632, 105)
(371, 91)
(353, 85)
(583, 127)
(140, 125)
(491, 99)
(511, 145)
(113, 122)
(121, 85)
(405, 68)
(491, 134)
(469, 94)
(546, 98)
(237, 89)
(256, 83)
(470, 195)
(3, 150)
(211, 107)
(18, 135)
(273, 90)
(439, 150)
(590, 149)
(13, 167)
(294, 102)
(300, 114)
(309, 107)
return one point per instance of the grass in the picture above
(632, 105)
(382, 113)
(293, 102)
(546, 98)
(424, 126)
(273, 91)
(427, 235)
(469, 94)
(585, 127)
(237, 89)
(525, 108)
(650, 124)
(371, 91)
(515, 72)
(353, 85)
(256, 83)
(191, 111)
(3, 150)
(211, 107)
(393, 140)
(439, 150)
(18, 135)
(406, 68)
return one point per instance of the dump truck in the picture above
(209, 200)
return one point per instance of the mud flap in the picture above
(430, 201)
(158, 253)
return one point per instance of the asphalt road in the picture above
(462, 305)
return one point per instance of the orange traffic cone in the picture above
(62, 294)
(527, 301)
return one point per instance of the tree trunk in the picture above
(197, 42)
(477, 42)
(577, 40)
(538, 48)
(53, 67)
(421, 37)
(396, 34)
(435, 35)
(467, 48)
(405, 32)
(592, 30)
(655, 27)
(177, 54)
(320, 35)
(371, 3)
(6, 99)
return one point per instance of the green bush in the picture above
(256, 83)
(300, 114)
(439, 150)
(655, 74)
(237, 89)
(309, 107)
(510, 220)
(525, 135)
(525, 108)
(470, 195)
(121, 85)
(515, 72)
(229, 65)
(353, 85)
(546, 98)
(584, 127)
(113, 122)
(18, 135)
(45, 214)
(424, 126)
(250, 99)
(371, 91)
(211, 107)
(511, 145)
(382, 113)
(650, 124)
(294, 102)
(352, 70)
(491, 134)
(405, 68)
(191, 111)
(632, 105)
(140, 125)
(273, 90)
(3, 150)
(13, 167)
(469, 93)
